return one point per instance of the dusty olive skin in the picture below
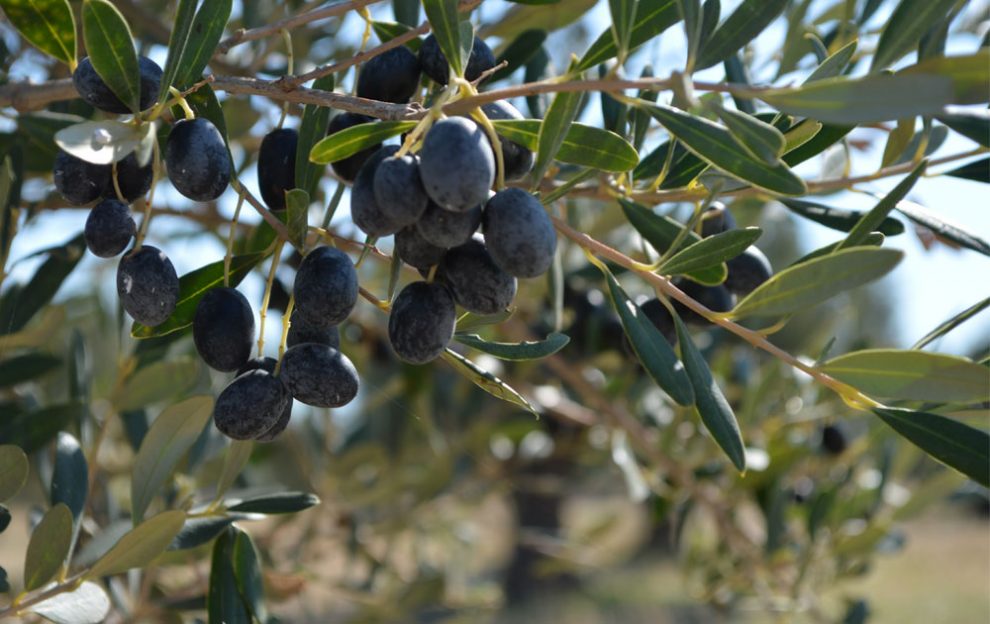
(277, 166)
(78, 181)
(319, 375)
(109, 228)
(447, 229)
(251, 405)
(347, 169)
(326, 287)
(416, 251)
(147, 285)
(518, 160)
(519, 234)
(268, 364)
(477, 283)
(223, 329)
(421, 322)
(747, 271)
(196, 159)
(456, 164)
(91, 87)
(715, 298)
(435, 65)
(398, 189)
(300, 331)
(366, 212)
(716, 219)
(392, 76)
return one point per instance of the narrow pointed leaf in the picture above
(31, 430)
(977, 171)
(907, 24)
(553, 130)
(715, 144)
(237, 456)
(487, 381)
(48, 547)
(192, 287)
(297, 207)
(713, 408)
(839, 218)
(140, 546)
(548, 17)
(652, 18)
(70, 478)
(748, 20)
(519, 51)
(875, 239)
(835, 64)
(158, 381)
(972, 124)
(312, 128)
(13, 471)
(224, 604)
(445, 24)
(247, 573)
(875, 217)
(87, 604)
(516, 351)
(957, 445)
(184, 14)
(623, 16)
(205, 33)
(912, 375)
(110, 46)
(280, 503)
(825, 138)
(685, 167)
(943, 229)
(26, 367)
(652, 349)
(17, 308)
(952, 323)
(340, 145)
(661, 231)
(711, 251)
(814, 281)
(171, 435)
(583, 145)
(761, 140)
(198, 531)
(46, 24)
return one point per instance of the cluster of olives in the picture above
(745, 272)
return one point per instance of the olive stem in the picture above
(276, 256)
(155, 176)
(181, 101)
(290, 62)
(230, 239)
(286, 323)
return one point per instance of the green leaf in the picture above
(911, 375)
(471, 321)
(907, 24)
(237, 456)
(952, 323)
(516, 351)
(839, 218)
(181, 26)
(583, 145)
(872, 220)
(13, 471)
(198, 531)
(465, 41)
(406, 12)
(171, 435)
(48, 547)
(761, 140)
(46, 24)
(553, 130)
(661, 231)
(690, 12)
(312, 128)
(139, 546)
(814, 281)
(297, 207)
(442, 15)
(486, 381)
(518, 52)
(897, 141)
(685, 167)
(711, 251)
(943, 229)
(748, 20)
(623, 16)
(652, 18)
(205, 33)
(156, 382)
(713, 408)
(70, 477)
(953, 443)
(103, 142)
(34, 429)
(652, 349)
(350, 141)
(86, 604)
(19, 307)
(192, 287)
(977, 171)
(110, 46)
(548, 17)
(247, 573)
(387, 31)
(280, 503)
(972, 124)
(835, 64)
(825, 138)
(714, 144)
(224, 604)
(26, 367)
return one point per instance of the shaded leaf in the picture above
(31, 430)
(205, 33)
(471, 321)
(951, 442)
(553, 130)
(13, 471)
(279, 503)
(944, 229)
(872, 220)
(26, 367)
(297, 212)
(247, 573)
(171, 435)
(192, 287)
(950, 324)
(312, 128)
(972, 124)
(977, 171)
(748, 20)
(911, 375)
(387, 31)
(156, 382)
(87, 604)
(486, 381)
(46, 24)
(177, 40)
(519, 51)
(18, 307)
(835, 64)
(761, 140)
(48, 547)
(839, 218)
(813, 281)
(652, 18)
(685, 167)
(825, 138)
(139, 546)
(110, 46)
(623, 16)
(70, 478)
(350, 141)
(582, 145)
(198, 531)
(875, 239)
(516, 351)
(905, 27)
(710, 251)
(548, 17)
(442, 15)
(224, 604)
(237, 456)
(652, 349)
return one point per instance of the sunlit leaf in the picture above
(46, 24)
(529, 350)
(110, 46)
(911, 375)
